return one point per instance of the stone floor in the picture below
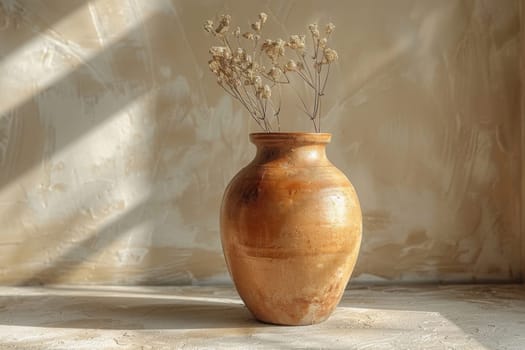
(429, 317)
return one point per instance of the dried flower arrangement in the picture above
(249, 73)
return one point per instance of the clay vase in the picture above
(290, 229)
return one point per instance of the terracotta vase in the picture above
(290, 229)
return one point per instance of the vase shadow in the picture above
(124, 313)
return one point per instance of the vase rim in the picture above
(290, 137)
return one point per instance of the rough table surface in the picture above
(416, 317)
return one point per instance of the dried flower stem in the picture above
(246, 79)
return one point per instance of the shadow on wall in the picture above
(62, 242)
(39, 16)
(25, 116)
(34, 138)
(25, 120)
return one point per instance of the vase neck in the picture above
(291, 149)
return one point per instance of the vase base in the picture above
(289, 323)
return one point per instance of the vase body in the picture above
(290, 229)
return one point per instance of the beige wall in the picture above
(116, 145)
(522, 66)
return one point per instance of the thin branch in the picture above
(315, 125)
(316, 96)
(276, 114)
(307, 66)
(233, 72)
(326, 78)
(252, 114)
(262, 109)
(277, 111)
(265, 107)
(225, 40)
(313, 45)
(249, 97)
(234, 92)
(305, 79)
(317, 91)
(319, 124)
(305, 107)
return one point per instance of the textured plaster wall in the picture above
(522, 141)
(116, 145)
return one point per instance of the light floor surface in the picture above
(97, 317)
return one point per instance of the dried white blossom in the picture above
(264, 92)
(224, 24)
(314, 30)
(237, 32)
(244, 76)
(208, 26)
(329, 28)
(239, 55)
(256, 26)
(290, 66)
(273, 48)
(257, 81)
(214, 66)
(296, 42)
(267, 92)
(251, 75)
(274, 73)
(330, 55)
(218, 51)
(263, 17)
